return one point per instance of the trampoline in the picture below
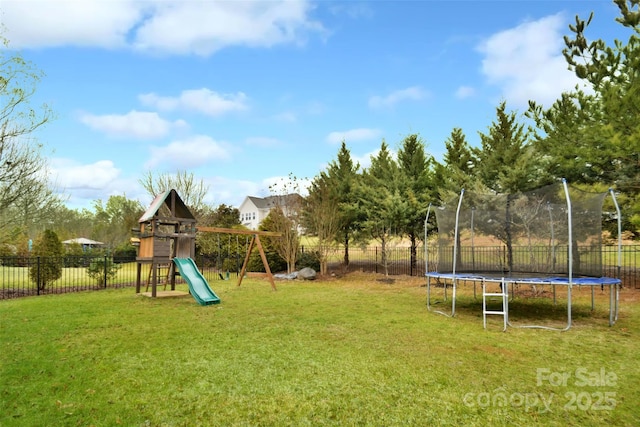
(551, 236)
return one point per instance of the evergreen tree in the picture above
(48, 252)
(458, 167)
(416, 188)
(380, 200)
(505, 162)
(343, 176)
(594, 138)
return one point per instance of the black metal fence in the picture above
(26, 276)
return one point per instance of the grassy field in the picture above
(347, 351)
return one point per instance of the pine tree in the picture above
(48, 251)
(416, 188)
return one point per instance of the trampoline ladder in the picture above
(504, 296)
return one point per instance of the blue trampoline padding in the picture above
(580, 281)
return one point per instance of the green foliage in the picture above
(115, 219)
(74, 255)
(505, 162)
(343, 174)
(48, 251)
(125, 251)
(594, 137)
(275, 261)
(309, 259)
(101, 268)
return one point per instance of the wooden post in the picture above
(246, 260)
(255, 240)
(264, 261)
(138, 274)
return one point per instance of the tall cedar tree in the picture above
(458, 167)
(343, 174)
(380, 199)
(416, 188)
(506, 163)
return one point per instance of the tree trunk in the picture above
(346, 250)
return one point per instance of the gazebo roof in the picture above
(82, 241)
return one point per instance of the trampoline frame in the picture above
(454, 277)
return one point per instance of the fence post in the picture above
(376, 264)
(411, 261)
(104, 272)
(38, 275)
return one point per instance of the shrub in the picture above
(308, 259)
(48, 267)
(101, 267)
(125, 251)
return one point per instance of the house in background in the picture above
(87, 244)
(254, 209)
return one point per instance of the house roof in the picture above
(273, 201)
(172, 200)
(83, 241)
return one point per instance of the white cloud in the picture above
(161, 26)
(353, 135)
(203, 101)
(526, 62)
(67, 22)
(134, 124)
(189, 153)
(413, 93)
(465, 92)
(68, 174)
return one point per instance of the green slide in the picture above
(198, 285)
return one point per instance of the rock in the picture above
(291, 276)
(307, 274)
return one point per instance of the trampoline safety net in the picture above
(526, 234)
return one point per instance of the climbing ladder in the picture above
(503, 295)
(163, 272)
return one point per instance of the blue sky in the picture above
(245, 93)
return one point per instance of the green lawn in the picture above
(352, 351)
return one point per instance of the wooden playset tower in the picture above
(167, 231)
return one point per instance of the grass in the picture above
(349, 351)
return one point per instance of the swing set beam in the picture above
(255, 241)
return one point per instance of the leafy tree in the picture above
(505, 161)
(24, 187)
(224, 216)
(48, 267)
(415, 187)
(274, 259)
(343, 176)
(191, 190)
(115, 219)
(321, 216)
(381, 201)
(210, 243)
(286, 219)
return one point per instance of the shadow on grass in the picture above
(527, 310)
